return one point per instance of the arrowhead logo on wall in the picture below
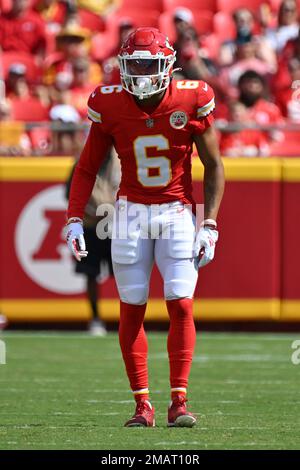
(40, 246)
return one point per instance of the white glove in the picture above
(75, 239)
(205, 245)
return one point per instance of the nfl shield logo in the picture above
(149, 122)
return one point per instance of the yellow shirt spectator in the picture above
(100, 7)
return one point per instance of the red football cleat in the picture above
(144, 415)
(178, 415)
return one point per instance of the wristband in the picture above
(73, 220)
(209, 223)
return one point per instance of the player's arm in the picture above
(214, 181)
(213, 185)
(82, 184)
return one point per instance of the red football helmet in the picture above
(146, 59)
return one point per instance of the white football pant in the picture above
(142, 234)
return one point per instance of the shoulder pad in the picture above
(206, 100)
(99, 99)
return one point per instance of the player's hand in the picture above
(75, 239)
(205, 244)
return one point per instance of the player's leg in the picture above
(133, 287)
(101, 254)
(132, 264)
(90, 267)
(179, 271)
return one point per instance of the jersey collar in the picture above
(160, 109)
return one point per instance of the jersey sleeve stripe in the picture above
(93, 115)
(205, 110)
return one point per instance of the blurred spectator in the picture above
(72, 43)
(282, 81)
(125, 27)
(246, 30)
(59, 90)
(25, 106)
(288, 25)
(246, 142)
(291, 49)
(264, 52)
(190, 58)
(22, 30)
(53, 12)
(245, 59)
(111, 71)
(67, 139)
(81, 87)
(244, 24)
(16, 83)
(110, 66)
(288, 98)
(13, 138)
(99, 7)
(293, 101)
(253, 94)
(267, 15)
(184, 21)
(89, 14)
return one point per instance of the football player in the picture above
(153, 121)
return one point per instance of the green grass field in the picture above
(69, 391)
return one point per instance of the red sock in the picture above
(134, 347)
(181, 343)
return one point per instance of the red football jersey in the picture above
(154, 147)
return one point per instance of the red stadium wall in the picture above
(290, 252)
(253, 277)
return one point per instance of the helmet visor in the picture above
(141, 67)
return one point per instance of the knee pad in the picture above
(178, 289)
(134, 294)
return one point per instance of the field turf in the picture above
(69, 391)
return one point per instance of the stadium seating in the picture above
(138, 18)
(91, 21)
(138, 5)
(224, 26)
(288, 146)
(5, 5)
(204, 23)
(211, 43)
(102, 44)
(194, 5)
(213, 23)
(231, 5)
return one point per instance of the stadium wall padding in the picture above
(254, 276)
